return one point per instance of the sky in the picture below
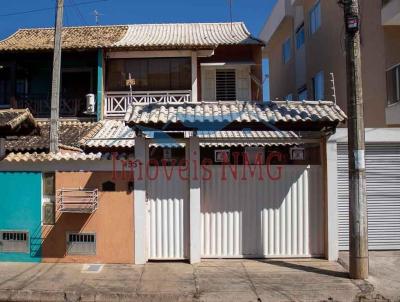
(41, 13)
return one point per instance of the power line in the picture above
(49, 8)
(78, 12)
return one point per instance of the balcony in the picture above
(77, 200)
(117, 103)
(40, 105)
(390, 12)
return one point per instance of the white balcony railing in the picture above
(116, 103)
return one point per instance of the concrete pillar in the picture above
(194, 77)
(194, 201)
(140, 202)
(332, 247)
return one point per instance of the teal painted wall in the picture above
(20, 209)
(99, 83)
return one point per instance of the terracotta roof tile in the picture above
(84, 37)
(16, 121)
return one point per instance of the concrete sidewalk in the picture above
(384, 272)
(220, 280)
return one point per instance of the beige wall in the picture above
(325, 52)
(112, 222)
(282, 76)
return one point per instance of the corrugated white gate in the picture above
(263, 218)
(383, 195)
(168, 214)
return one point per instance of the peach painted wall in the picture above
(112, 222)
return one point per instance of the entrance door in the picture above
(5, 85)
(168, 214)
(75, 86)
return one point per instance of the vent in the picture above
(226, 85)
(81, 244)
(11, 241)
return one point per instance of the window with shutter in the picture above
(226, 84)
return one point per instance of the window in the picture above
(150, 74)
(48, 198)
(315, 17)
(300, 36)
(286, 51)
(303, 93)
(318, 86)
(225, 84)
(81, 244)
(289, 97)
(393, 85)
(14, 241)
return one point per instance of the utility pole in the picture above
(55, 87)
(356, 146)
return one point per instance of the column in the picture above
(194, 77)
(194, 201)
(140, 203)
(332, 247)
(99, 95)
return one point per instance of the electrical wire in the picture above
(48, 8)
(78, 12)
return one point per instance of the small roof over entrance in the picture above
(307, 115)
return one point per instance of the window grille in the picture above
(14, 241)
(81, 244)
(226, 84)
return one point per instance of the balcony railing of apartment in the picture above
(116, 103)
(77, 200)
(40, 105)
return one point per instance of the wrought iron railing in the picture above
(40, 105)
(117, 103)
(77, 200)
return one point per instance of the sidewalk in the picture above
(220, 280)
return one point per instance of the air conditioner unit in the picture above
(90, 104)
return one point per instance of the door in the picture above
(262, 218)
(5, 85)
(383, 196)
(168, 214)
(75, 86)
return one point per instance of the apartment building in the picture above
(305, 45)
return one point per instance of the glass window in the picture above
(315, 17)
(303, 93)
(300, 36)
(318, 86)
(289, 97)
(393, 85)
(150, 74)
(286, 51)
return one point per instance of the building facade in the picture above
(177, 158)
(305, 45)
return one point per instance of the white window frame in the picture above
(213, 68)
(319, 86)
(315, 17)
(287, 50)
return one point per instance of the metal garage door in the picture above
(168, 215)
(263, 218)
(383, 195)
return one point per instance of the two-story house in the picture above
(305, 45)
(180, 160)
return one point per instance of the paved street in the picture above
(217, 280)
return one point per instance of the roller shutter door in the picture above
(383, 195)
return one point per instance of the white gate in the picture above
(383, 196)
(168, 217)
(263, 218)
